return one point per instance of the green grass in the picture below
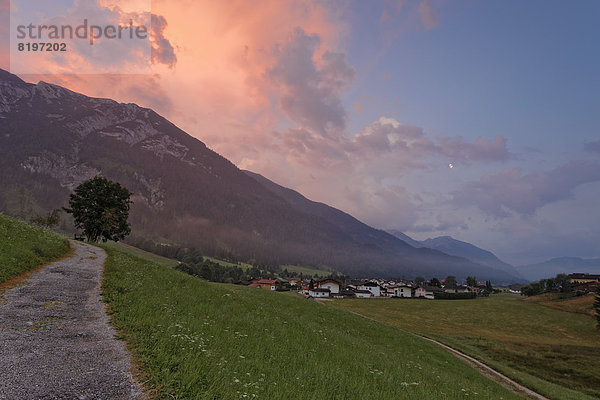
(224, 263)
(24, 247)
(553, 352)
(144, 255)
(198, 340)
(307, 271)
(583, 304)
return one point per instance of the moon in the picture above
(450, 166)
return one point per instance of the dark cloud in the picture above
(481, 150)
(162, 49)
(311, 90)
(509, 190)
(593, 146)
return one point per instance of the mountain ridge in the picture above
(559, 265)
(184, 193)
(455, 247)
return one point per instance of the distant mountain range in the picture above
(561, 265)
(459, 248)
(51, 139)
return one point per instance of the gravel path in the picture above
(491, 373)
(55, 341)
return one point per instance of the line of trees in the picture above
(559, 284)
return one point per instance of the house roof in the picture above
(370, 284)
(325, 280)
(319, 290)
(266, 281)
(579, 275)
(361, 291)
(587, 286)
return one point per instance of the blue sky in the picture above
(525, 70)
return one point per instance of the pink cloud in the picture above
(428, 17)
(98, 54)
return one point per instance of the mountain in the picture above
(561, 265)
(454, 247)
(51, 139)
(367, 235)
(459, 248)
(405, 238)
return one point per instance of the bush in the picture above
(454, 296)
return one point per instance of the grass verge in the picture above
(24, 247)
(198, 340)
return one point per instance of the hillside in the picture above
(24, 247)
(561, 265)
(566, 302)
(194, 339)
(51, 139)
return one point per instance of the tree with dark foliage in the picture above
(450, 281)
(471, 281)
(100, 208)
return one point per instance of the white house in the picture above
(372, 287)
(331, 284)
(319, 292)
(402, 290)
(362, 294)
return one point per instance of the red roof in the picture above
(266, 281)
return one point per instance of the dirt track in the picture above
(55, 341)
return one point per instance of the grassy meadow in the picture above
(198, 340)
(24, 247)
(307, 271)
(577, 304)
(552, 351)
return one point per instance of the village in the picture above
(419, 288)
(373, 288)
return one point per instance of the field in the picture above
(578, 304)
(307, 271)
(554, 352)
(24, 247)
(198, 340)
